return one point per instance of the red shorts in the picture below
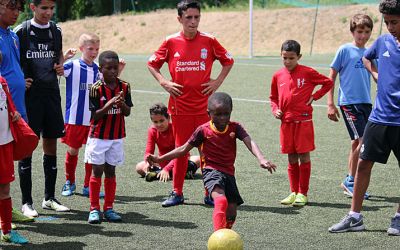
(297, 137)
(6, 163)
(75, 135)
(183, 126)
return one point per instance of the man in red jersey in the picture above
(190, 55)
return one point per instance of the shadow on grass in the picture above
(345, 205)
(48, 245)
(137, 218)
(119, 199)
(72, 230)
(275, 210)
(376, 198)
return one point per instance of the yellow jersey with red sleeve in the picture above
(190, 63)
(218, 148)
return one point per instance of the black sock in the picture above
(50, 176)
(25, 179)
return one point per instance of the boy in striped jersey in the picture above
(110, 101)
(80, 75)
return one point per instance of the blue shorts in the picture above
(355, 117)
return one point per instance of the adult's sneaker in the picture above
(348, 224)
(111, 216)
(86, 192)
(208, 201)
(394, 228)
(94, 217)
(13, 237)
(173, 200)
(55, 205)
(68, 189)
(29, 211)
(18, 216)
(289, 200)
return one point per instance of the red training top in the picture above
(218, 148)
(112, 125)
(190, 63)
(165, 142)
(290, 91)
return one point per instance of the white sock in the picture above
(355, 215)
(397, 214)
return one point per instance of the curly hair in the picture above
(389, 7)
(159, 109)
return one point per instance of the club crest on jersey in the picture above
(300, 82)
(203, 53)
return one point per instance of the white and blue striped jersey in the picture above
(79, 79)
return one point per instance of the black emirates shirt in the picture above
(41, 56)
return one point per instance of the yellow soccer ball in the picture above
(225, 239)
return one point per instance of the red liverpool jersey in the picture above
(112, 125)
(190, 62)
(291, 90)
(165, 142)
(218, 148)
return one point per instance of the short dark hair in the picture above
(220, 98)
(37, 2)
(107, 55)
(389, 7)
(14, 3)
(187, 4)
(291, 45)
(361, 21)
(159, 109)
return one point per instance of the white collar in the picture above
(40, 26)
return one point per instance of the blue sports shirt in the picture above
(386, 110)
(11, 70)
(355, 81)
(79, 79)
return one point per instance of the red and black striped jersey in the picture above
(112, 125)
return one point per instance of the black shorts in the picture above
(212, 178)
(355, 117)
(44, 114)
(378, 141)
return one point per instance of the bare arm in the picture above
(176, 153)
(116, 100)
(371, 67)
(212, 86)
(172, 88)
(255, 150)
(333, 113)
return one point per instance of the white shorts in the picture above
(99, 151)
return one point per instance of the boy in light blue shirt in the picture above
(354, 98)
(382, 132)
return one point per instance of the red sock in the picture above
(294, 176)
(219, 213)
(88, 173)
(305, 173)
(70, 167)
(94, 193)
(110, 186)
(179, 172)
(6, 215)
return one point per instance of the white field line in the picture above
(234, 98)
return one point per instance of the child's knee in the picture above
(4, 191)
(140, 168)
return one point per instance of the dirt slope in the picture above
(142, 34)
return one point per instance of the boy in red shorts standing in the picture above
(190, 55)
(291, 97)
(8, 114)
